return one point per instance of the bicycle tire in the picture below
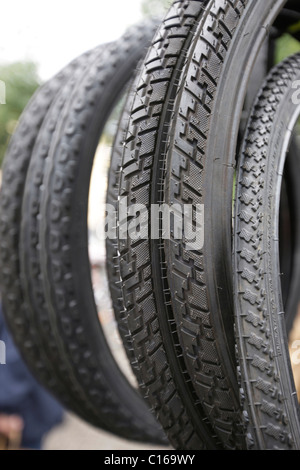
(26, 329)
(219, 40)
(292, 291)
(198, 171)
(88, 365)
(111, 244)
(270, 403)
(15, 168)
(154, 348)
(290, 198)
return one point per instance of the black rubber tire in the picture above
(170, 139)
(290, 198)
(113, 267)
(15, 168)
(55, 263)
(199, 169)
(270, 400)
(25, 306)
(111, 244)
(157, 362)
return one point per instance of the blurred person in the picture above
(27, 411)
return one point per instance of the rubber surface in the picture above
(271, 408)
(112, 404)
(174, 120)
(111, 244)
(63, 255)
(15, 169)
(158, 362)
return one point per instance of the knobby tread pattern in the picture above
(157, 364)
(34, 307)
(15, 168)
(184, 179)
(111, 245)
(143, 265)
(270, 409)
(71, 307)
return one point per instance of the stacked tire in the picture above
(209, 124)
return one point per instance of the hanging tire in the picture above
(168, 156)
(90, 379)
(271, 408)
(290, 198)
(15, 169)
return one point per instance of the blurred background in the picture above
(37, 39)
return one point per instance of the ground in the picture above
(75, 434)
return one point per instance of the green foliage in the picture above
(155, 7)
(286, 46)
(21, 80)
